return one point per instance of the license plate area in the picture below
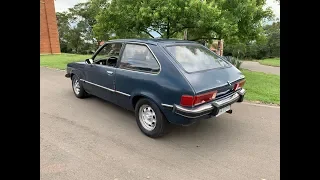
(223, 110)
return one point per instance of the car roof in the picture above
(154, 41)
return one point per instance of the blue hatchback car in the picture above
(163, 81)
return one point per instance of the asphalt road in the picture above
(255, 66)
(90, 139)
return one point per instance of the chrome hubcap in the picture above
(76, 87)
(147, 117)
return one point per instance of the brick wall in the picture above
(49, 37)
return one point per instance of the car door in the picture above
(137, 70)
(100, 75)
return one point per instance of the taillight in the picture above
(239, 85)
(187, 100)
(202, 98)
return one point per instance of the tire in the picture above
(156, 125)
(77, 87)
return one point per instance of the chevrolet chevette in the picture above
(163, 81)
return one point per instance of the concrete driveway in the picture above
(93, 139)
(255, 66)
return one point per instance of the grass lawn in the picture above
(270, 62)
(60, 61)
(260, 87)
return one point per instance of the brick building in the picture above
(49, 36)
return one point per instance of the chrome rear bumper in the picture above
(211, 108)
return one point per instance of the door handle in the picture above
(109, 72)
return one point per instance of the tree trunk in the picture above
(185, 34)
(168, 29)
(98, 43)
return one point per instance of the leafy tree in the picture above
(75, 37)
(273, 34)
(232, 20)
(72, 33)
(266, 45)
(86, 13)
(63, 29)
(76, 27)
(238, 22)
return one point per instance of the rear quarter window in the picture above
(195, 58)
(139, 58)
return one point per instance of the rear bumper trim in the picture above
(211, 108)
(226, 101)
(242, 92)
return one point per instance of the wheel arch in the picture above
(137, 96)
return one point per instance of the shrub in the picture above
(237, 63)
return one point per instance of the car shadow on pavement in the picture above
(208, 129)
(208, 135)
(113, 107)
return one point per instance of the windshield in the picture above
(196, 57)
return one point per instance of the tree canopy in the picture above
(204, 19)
(238, 22)
(267, 45)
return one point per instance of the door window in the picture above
(108, 55)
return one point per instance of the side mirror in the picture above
(89, 61)
(113, 58)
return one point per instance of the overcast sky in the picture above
(63, 5)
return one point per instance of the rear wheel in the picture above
(150, 119)
(77, 87)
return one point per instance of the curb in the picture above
(261, 105)
(52, 68)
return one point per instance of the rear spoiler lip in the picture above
(217, 87)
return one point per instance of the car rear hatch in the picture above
(222, 80)
(205, 71)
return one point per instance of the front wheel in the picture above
(150, 119)
(77, 87)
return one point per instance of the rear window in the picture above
(196, 57)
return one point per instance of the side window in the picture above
(104, 55)
(139, 58)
